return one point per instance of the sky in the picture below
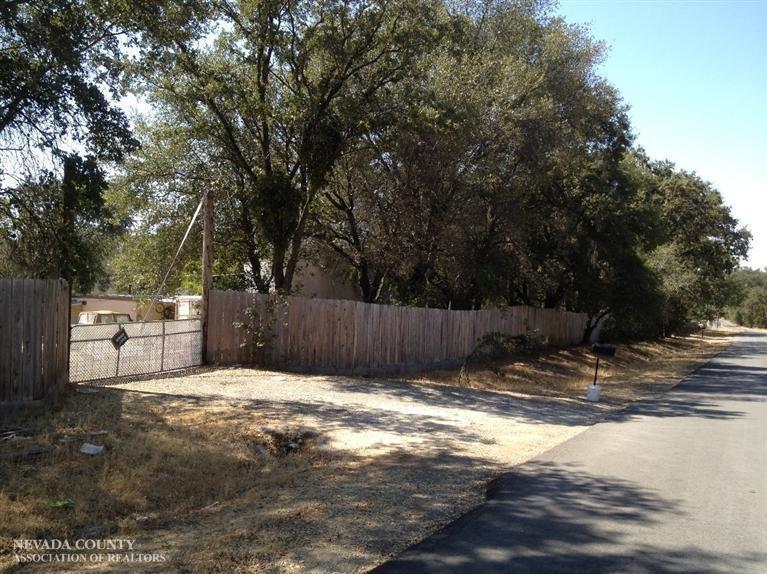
(695, 77)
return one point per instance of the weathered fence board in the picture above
(334, 336)
(34, 337)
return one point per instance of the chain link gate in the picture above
(152, 347)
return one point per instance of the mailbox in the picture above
(600, 350)
(603, 350)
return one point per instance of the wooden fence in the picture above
(331, 336)
(34, 340)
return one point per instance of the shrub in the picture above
(496, 345)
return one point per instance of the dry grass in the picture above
(222, 486)
(636, 370)
(168, 460)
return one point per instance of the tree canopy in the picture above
(451, 154)
(748, 300)
(59, 65)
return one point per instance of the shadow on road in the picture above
(551, 518)
(713, 390)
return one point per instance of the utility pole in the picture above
(207, 268)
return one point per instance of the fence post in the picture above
(117, 362)
(69, 324)
(162, 352)
(207, 270)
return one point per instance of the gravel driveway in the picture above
(377, 416)
(419, 454)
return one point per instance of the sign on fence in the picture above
(112, 350)
(120, 338)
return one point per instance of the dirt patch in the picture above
(294, 474)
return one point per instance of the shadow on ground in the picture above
(213, 503)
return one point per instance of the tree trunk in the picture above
(298, 235)
(364, 283)
(587, 333)
(591, 325)
(278, 271)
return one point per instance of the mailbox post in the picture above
(600, 350)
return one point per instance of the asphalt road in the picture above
(675, 483)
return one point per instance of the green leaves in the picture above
(60, 225)
(53, 58)
(277, 202)
(275, 92)
(57, 124)
(747, 301)
(441, 153)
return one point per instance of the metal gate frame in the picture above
(93, 356)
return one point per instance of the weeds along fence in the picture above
(349, 337)
(34, 341)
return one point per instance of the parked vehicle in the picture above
(188, 307)
(102, 318)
